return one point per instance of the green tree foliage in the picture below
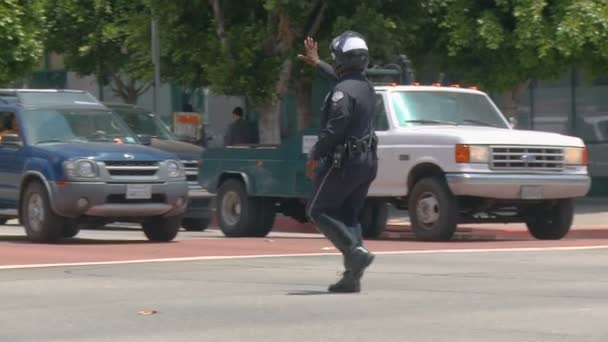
(250, 48)
(95, 39)
(21, 31)
(502, 44)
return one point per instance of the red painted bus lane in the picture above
(19, 252)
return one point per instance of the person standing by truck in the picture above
(239, 131)
(346, 153)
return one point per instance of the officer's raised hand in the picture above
(312, 58)
(312, 54)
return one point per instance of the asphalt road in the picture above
(464, 296)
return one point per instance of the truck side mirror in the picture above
(145, 139)
(12, 140)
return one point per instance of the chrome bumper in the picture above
(518, 186)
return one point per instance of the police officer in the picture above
(346, 153)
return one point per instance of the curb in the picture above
(402, 231)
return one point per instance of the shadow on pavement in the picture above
(309, 293)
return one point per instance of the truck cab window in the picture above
(381, 120)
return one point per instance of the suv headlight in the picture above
(175, 169)
(83, 168)
(472, 154)
(575, 156)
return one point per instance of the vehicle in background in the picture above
(67, 161)
(152, 131)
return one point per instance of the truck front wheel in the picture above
(195, 224)
(433, 210)
(240, 215)
(551, 222)
(162, 229)
(42, 225)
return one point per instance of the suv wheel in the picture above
(162, 229)
(70, 230)
(41, 223)
(433, 210)
(551, 222)
(195, 224)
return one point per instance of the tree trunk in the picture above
(508, 102)
(304, 103)
(269, 128)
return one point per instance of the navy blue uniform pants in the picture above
(340, 193)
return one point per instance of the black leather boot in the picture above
(356, 263)
(356, 258)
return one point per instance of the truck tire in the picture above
(373, 218)
(433, 210)
(238, 214)
(162, 229)
(195, 224)
(266, 214)
(41, 224)
(70, 230)
(547, 222)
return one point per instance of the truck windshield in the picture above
(142, 122)
(444, 107)
(74, 125)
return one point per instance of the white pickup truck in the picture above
(449, 156)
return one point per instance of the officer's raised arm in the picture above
(312, 58)
(334, 132)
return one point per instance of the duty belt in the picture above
(361, 145)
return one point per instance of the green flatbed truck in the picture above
(255, 182)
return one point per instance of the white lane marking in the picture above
(230, 257)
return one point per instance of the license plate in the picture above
(139, 191)
(532, 192)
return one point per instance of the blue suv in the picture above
(67, 161)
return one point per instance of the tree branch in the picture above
(316, 24)
(218, 15)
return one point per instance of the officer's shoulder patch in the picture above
(337, 96)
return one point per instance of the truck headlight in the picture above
(174, 169)
(81, 168)
(576, 156)
(472, 154)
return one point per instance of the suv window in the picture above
(380, 120)
(8, 123)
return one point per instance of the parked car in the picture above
(69, 161)
(152, 131)
(447, 155)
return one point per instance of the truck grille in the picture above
(527, 158)
(191, 168)
(132, 168)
